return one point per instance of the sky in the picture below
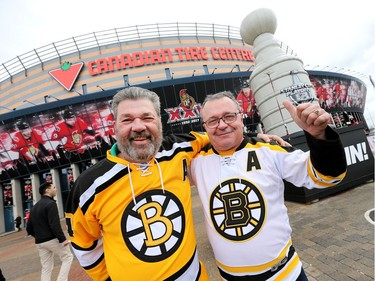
(322, 32)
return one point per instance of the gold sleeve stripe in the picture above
(289, 268)
(323, 180)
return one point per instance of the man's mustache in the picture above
(140, 135)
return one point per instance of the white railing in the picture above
(98, 39)
(334, 69)
(106, 37)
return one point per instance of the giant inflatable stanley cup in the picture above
(276, 76)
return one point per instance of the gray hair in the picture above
(135, 93)
(221, 95)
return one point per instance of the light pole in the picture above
(7, 108)
(30, 102)
(53, 97)
(100, 87)
(77, 92)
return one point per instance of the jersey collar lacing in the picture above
(142, 167)
(229, 159)
(226, 161)
(145, 172)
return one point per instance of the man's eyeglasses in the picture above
(227, 119)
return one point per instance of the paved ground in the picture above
(333, 238)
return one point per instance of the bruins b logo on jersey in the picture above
(154, 227)
(237, 209)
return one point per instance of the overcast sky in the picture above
(321, 32)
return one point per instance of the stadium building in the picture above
(55, 111)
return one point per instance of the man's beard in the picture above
(140, 153)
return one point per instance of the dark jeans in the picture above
(302, 276)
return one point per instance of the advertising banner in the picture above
(78, 133)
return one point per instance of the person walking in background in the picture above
(240, 181)
(18, 222)
(27, 217)
(44, 225)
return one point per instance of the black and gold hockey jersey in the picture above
(242, 193)
(134, 221)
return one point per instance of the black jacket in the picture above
(18, 221)
(44, 223)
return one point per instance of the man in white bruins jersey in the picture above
(240, 183)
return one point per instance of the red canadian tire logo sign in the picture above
(67, 74)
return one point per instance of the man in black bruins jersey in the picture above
(130, 215)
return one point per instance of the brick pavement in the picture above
(333, 238)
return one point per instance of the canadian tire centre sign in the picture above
(167, 55)
(67, 73)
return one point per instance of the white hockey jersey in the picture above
(242, 193)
